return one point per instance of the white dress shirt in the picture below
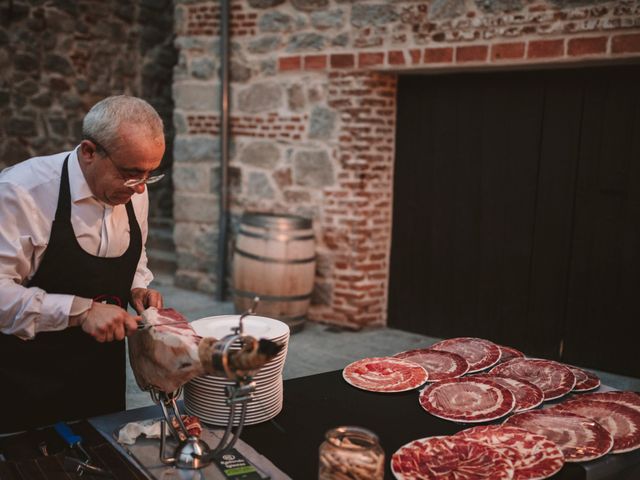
(28, 201)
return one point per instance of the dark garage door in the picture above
(517, 212)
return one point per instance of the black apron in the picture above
(67, 374)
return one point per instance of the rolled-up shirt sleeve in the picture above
(25, 311)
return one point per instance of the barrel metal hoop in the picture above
(276, 237)
(274, 260)
(271, 298)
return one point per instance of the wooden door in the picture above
(487, 215)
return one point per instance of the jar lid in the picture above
(352, 437)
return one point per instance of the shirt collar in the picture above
(78, 186)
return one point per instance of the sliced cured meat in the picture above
(585, 380)
(467, 399)
(479, 353)
(553, 378)
(622, 422)
(440, 365)
(534, 457)
(384, 374)
(527, 395)
(509, 353)
(439, 458)
(630, 399)
(579, 438)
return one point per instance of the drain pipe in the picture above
(224, 146)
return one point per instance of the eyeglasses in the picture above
(131, 182)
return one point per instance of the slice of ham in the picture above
(527, 395)
(630, 399)
(534, 457)
(384, 374)
(554, 379)
(585, 380)
(622, 422)
(168, 353)
(440, 365)
(447, 458)
(467, 399)
(509, 353)
(579, 438)
(479, 353)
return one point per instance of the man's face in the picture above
(107, 168)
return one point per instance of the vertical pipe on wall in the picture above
(224, 146)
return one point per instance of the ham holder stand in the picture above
(192, 452)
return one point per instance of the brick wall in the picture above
(313, 114)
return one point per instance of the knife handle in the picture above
(67, 434)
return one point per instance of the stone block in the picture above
(196, 96)
(372, 15)
(260, 97)
(322, 123)
(203, 68)
(305, 42)
(313, 169)
(196, 149)
(259, 185)
(196, 207)
(276, 21)
(330, 19)
(295, 96)
(264, 44)
(195, 178)
(262, 154)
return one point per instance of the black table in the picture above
(317, 403)
(314, 404)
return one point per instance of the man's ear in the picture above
(88, 151)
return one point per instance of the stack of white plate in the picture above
(206, 396)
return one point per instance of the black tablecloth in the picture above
(314, 404)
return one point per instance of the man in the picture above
(72, 234)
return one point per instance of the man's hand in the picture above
(142, 298)
(107, 322)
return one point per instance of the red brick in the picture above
(438, 55)
(472, 53)
(507, 51)
(415, 56)
(315, 62)
(626, 43)
(342, 60)
(395, 58)
(545, 48)
(587, 46)
(289, 63)
(370, 59)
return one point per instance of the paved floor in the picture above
(317, 348)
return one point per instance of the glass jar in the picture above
(351, 452)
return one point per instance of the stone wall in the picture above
(58, 58)
(313, 114)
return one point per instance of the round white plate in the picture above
(221, 325)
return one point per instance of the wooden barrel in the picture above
(274, 259)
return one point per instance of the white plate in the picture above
(222, 414)
(222, 411)
(221, 325)
(220, 398)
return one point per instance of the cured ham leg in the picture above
(167, 353)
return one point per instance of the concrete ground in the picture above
(317, 348)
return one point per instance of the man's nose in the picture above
(139, 188)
